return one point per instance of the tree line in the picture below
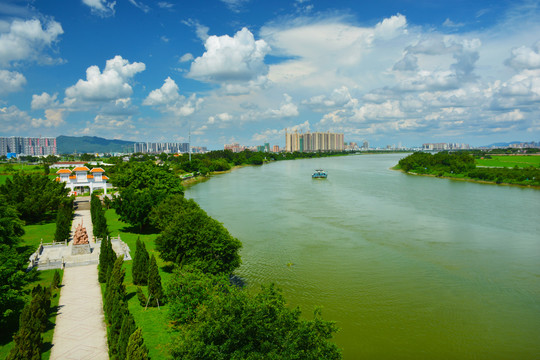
(25, 199)
(462, 164)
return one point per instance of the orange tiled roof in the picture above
(72, 176)
(104, 177)
(89, 176)
(57, 179)
(97, 170)
(81, 168)
(64, 171)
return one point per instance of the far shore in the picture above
(465, 179)
(202, 178)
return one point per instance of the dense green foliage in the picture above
(236, 325)
(462, 164)
(142, 186)
(139, 270)
(189, 289)
(190, 236)
(99, 222)
(33, 321)
(34, 196)
(64, 217)
(13, 261)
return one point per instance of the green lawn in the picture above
(33, 234)
(3, 179)
(32, 237)
(153, 321)
(510, 161)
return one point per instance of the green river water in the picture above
(409, 267)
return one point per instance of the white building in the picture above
(80, 178)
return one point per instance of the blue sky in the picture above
(244, 70)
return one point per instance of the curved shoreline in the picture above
(536, 187)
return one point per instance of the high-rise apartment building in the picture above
(34, 146)
(317, 141)
(161, 147)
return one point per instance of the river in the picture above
(409, 267)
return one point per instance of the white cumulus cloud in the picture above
(44, 101)
(11, 81)
(111, 84)
(27, 40)
(53, 118)
(168, 99)
(525, 57)
(231, 59)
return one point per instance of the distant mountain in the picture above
(503, 144)
(91, 144)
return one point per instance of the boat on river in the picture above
(319, 174)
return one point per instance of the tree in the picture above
(107, 258)
(13, 263)
(140, 264)
(55, 284)
(128, 327)
(193, 237)
(34, 196)
(141, 187)
(236, 325)
(64, 217)
(190, 236)
(136, 349)
(189, 289)
(155, 290)
(32, 323)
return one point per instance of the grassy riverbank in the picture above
(462, 166)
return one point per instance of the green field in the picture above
(153, 321)
(32, 237)
(510, 161)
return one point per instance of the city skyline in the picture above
(387, 72)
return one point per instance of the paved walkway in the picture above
(80, 331)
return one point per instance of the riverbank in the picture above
(202, 178)
(467, 179)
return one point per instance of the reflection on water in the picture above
(408, 266)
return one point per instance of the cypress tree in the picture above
(32, 323)
(141, 297)
(136, 349)
(140, 264)
(119, 311)
(115, 289)
(107, 257)
(155, 290)
(55, 280)
(64, 217)
(135, 266)
(128, 327)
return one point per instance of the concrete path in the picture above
(80, 331)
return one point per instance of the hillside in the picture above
(91, 144)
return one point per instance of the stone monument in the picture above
(80, 244)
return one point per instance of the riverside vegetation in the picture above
(198, 256)
(462, 165)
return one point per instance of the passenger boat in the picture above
(319, 174)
